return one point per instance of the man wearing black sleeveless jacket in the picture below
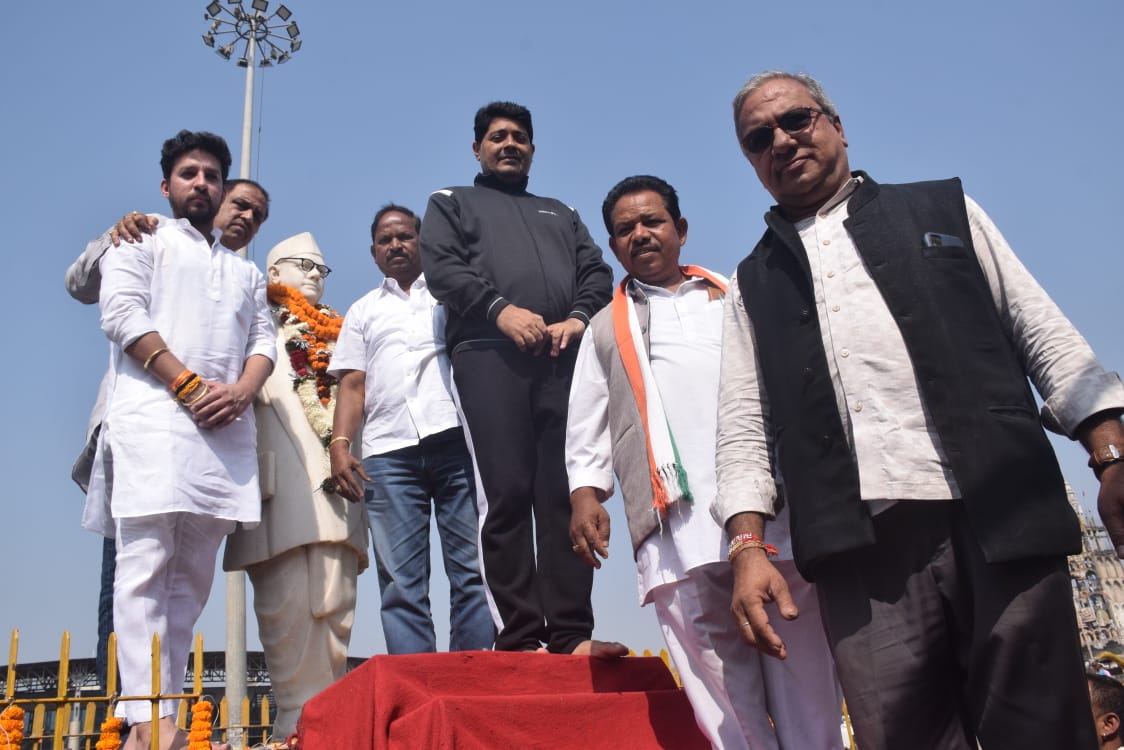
(521, 278)
(876, 352)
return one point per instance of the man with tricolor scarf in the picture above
(643, 403)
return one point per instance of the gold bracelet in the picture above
(340, 437)
(152, 357)
(202, 392)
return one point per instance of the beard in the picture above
(197, 209)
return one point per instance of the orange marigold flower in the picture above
(199, 736)
(110, 737)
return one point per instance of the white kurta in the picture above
(732, 688)
(210, 307)
(685, 332)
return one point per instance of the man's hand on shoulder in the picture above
(564, 333)
(525, 328)
(132, 228)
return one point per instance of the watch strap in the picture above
(1105, 455)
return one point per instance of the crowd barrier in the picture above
(67, 720)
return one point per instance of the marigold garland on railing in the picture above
(199, 736)
(310, 334)
(11, 727)
(110, 737)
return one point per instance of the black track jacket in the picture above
(494, 244)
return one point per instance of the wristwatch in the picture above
(1104, 456)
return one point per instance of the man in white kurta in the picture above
(676, 315)
(304, 557)
(244, 207)
(184, 470)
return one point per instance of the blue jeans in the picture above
(403, 483)
(105, 616)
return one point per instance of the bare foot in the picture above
(132, 742)
(171, 738)
(600, 649)
(541, 650)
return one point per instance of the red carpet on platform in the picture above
(483, 700)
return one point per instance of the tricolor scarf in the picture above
(668, 476)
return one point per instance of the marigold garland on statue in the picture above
(199, 736)
(11, 728)
(110, 737)
(310, 334)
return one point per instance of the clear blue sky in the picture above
(1021, 100)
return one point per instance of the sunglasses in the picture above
(792, 122)
(307, 265)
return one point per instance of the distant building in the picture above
(41, 680)
(1097, 578)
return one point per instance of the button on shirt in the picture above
(892, 434)
(398, 340)
(895, 443)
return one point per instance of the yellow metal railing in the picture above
(57, 710)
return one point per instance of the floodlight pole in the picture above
(248, 112)
(236, 579)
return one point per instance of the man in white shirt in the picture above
(181, 440)
(244, 208)
(395, 382)
(876, 351)
(644, 403)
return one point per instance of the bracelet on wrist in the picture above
(203, 391)
(152, 357)
(180, 381)
(188, 388)
(742, 542)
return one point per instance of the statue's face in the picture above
(291, 272)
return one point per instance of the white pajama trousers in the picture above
(165, 566)
(732, 687)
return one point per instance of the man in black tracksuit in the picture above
(521, 278)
